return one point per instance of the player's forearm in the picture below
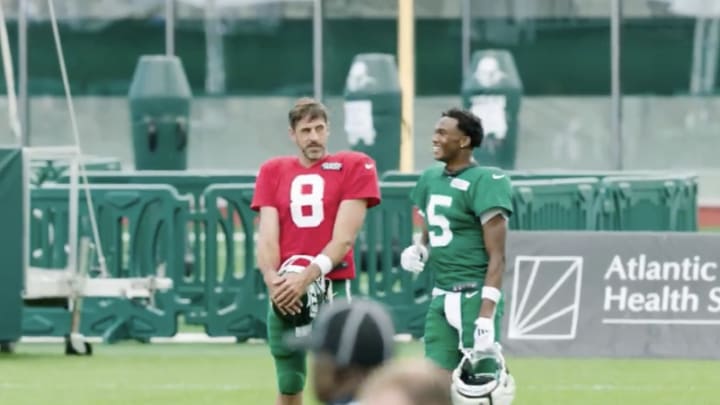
(494, 232)
(338, 248)
(335, 250)
(493, 283)
(424, 236)
(268, 258)
(348, 223)
(268, 248)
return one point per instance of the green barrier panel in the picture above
(388, 229)
(566, 174)
(138, 236)
(545, 174)
(373, 109)
(493, 90)
(185, 182)
(227, 295)
(236, 296)
(398, 176)
(650, 204)
(191, 287)
(685, 204)
(46, 318)
(687, 214)
(11, 245)
(52, 170)
(566, 204)
(159, 98)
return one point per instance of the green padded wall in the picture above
(11, 243)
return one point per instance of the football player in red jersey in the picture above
(311, 207)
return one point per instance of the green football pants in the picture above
(450, 326)
(290, 365)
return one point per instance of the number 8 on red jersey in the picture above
(301, 198)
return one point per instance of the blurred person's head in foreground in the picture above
(349, 340)
(407, 382)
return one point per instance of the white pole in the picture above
(74, 215)
(77, 160)
(465, 36)
(23, 101)
(616, 91)
(406, 71)
(215, 61)
(318, 49)
(13, 120)
(169, 27)
(711, 55)
(696, 68)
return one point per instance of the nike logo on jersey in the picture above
(369, 166)
(471, 294)
(498, 176)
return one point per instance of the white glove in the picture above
(413, 258)
(484, 335)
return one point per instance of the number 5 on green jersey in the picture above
(444, 236)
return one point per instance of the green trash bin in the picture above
(160, 112)
(372, 109)
(492, 90)
(11, 247)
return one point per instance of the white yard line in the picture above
(186, 337)
(610, 387)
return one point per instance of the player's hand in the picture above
(288, 294)
(273, 284)
(484, 335)
(413, 258)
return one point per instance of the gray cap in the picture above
(358, 332)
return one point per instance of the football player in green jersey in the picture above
(465, 208)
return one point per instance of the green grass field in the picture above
(217, 374)
(180, 374)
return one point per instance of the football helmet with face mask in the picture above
(313, 298)
(482, 379)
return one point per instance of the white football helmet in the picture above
(313, 298)
(473, 387)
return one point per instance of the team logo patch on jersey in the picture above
(332, 166)
(460, 184)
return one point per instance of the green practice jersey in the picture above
(452, 205)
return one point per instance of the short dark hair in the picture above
(468, 123)
(307, 107)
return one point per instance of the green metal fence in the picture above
(199, 230)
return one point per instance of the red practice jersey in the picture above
(308, 199)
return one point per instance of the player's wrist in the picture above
(423, 251)
(483, 321)
(269, 275)
(311, 273)
(491, 293)
(323, 263)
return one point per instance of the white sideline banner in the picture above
(612, 294)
